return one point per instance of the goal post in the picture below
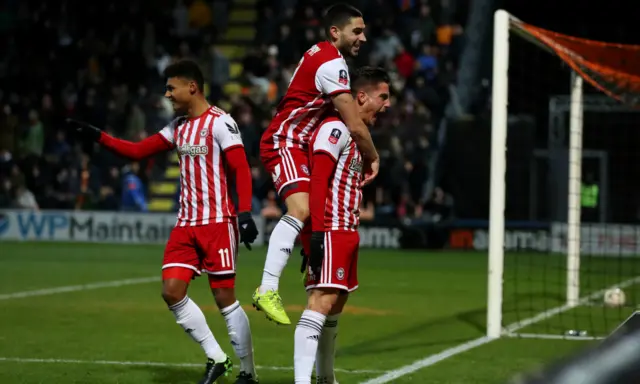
(575, 181)
(559, 282)
(499, 115)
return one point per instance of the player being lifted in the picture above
(336, 179)
(205, 237)
(320, 84)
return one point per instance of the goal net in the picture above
(569, 177)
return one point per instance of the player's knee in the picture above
(300, 213)
(341, 301)
(223, 289)
(322, 300)
(173, 291)
(298, 206)
(224, 297)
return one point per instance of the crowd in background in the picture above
(110, 74)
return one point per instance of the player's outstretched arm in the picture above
(135, 151)
(346, 105)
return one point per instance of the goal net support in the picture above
(581, 94)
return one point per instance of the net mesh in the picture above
(541, 64)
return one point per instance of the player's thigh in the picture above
(218, 250)
(298, 203)
(181, 258)
(289, 170)
(339, 251)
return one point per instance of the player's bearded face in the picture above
(375, 101)
(351, 37)
(179, 91)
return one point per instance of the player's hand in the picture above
(247, 228)
(317, 254)
(371, 171)
(85, 131)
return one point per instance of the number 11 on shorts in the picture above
(224, 257)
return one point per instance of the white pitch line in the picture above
(158, 364)
(76, 288)
(510, 329)
(430, 360)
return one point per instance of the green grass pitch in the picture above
(410, 305)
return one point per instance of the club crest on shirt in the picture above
(335, 136)
(343, 78)
(305, 169)
(340, 273)
(204, 132)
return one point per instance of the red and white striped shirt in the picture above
(201, 143)
(342, 203)
(321, 73)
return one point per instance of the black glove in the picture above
(317, 254)
(303, 265)
(85, 131)
(247, 228)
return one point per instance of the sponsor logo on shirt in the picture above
(193, 150)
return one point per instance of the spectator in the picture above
(199, 14)
(25, 199)
(33, 141)
(6, 200)
(271, 210)
(387, 46)
(425, 26)
(267, 27)
(220, 72)
(405, 63)
(60, 146)
(439, 209)
(133, 199)
(427, 63)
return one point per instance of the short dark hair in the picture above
(368, 76)
(187, 69)
(339, 15)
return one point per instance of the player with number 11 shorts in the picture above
(205, 238)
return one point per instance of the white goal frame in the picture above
(504, 25)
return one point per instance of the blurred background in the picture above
(103, 61)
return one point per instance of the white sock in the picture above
(281, 245)
(191, 319)
(325, 357)
(240, 336)
(306, 339)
